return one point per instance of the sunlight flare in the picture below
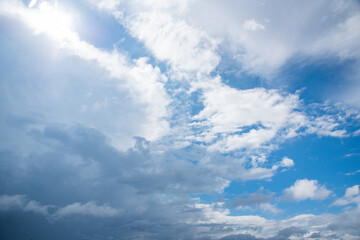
(52, 21)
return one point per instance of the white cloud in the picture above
(352, 196)
(107, 4)
(287, 162)
(326, 125)
(89, 208)
(342, 39)
(232, 119)
(306, 189)
(32, 3)
(237, 119)
(184, 48)
(214, 213)
(177, 6)
(163, 30)
(292, 29)
(268, 207)
(251, 24)
(343, 225)
(352, 191)
(258, 118)
(258, 173)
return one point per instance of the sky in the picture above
(179, 119)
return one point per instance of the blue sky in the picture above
(183, 119)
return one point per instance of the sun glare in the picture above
(52, 21)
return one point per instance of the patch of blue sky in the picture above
(318, 78)
(322, 159)
(232, 75)
(197, 104)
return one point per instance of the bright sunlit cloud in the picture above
(32, 3)
(51, 20)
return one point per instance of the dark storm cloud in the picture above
(139, 194)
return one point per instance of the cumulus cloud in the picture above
(352, 196)
(251, 118)
(352, 191)
(287, 162)
(306, 189)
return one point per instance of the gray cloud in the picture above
(252, 199)
(315, 235)
(282, 235)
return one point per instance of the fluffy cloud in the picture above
(184, 48)
(258, 118)
(238, 119)
(287, 162)
(352, 191)
(306, 189)
(352, 196)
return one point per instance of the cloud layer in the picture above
(158, 136)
